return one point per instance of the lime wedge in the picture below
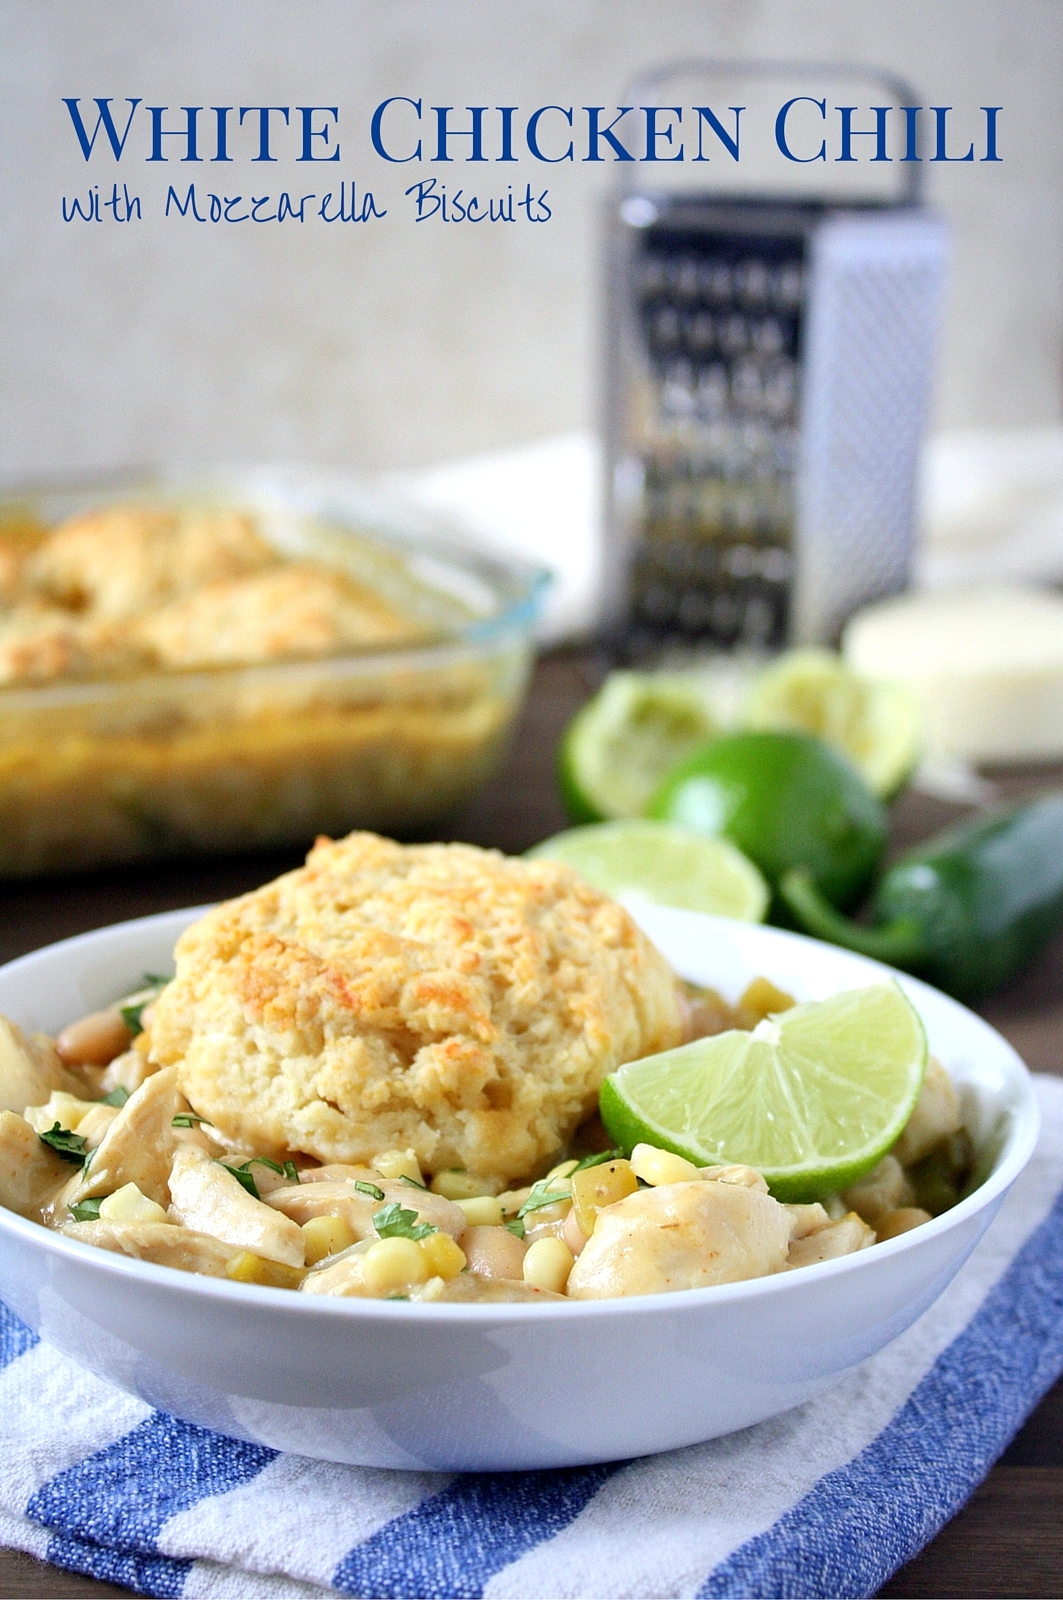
(876, 724)
(813, 1098)
(668, 865)
(619, 747)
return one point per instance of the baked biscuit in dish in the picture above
(20, 536)
(299, 609)
(123, 560)
(41, 643)
(443, 998)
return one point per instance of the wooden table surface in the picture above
(1008, 1540)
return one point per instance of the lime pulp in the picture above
(813, 1098)
(619, 747)
(873, 722)
(670, 866)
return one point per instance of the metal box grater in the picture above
(770, 363)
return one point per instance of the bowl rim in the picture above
(519, 586)
(1024, 1123)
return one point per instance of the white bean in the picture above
(493, 1252)
(94, 1040)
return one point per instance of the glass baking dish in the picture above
(131, 768)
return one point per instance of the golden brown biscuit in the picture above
(300, 609)
(41, 643)
(121, 561)
(439, 997)
(19, 538)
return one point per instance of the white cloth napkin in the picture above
(992, 508)
(827, 1499)
(542, 502)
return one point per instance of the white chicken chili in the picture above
(99, 1141)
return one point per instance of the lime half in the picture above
(619, 747)
(876, 724)
(670, 866)
(813, 1098)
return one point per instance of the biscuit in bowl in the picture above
(440, 998)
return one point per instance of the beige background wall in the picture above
(396, 344)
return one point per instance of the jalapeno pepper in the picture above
(965, 910)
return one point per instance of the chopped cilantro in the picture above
(288, 1170)
(541, 1195)
(395, 1296)
(413, 1183)
(71, 1146)
(244, 1179)
(515, 1226)
(395, 1222)
(117, 1097)
(188, 1119)
(243, 1174)
(597, 1160)
(87, 1210)
(130, 1015)
(370, 1189)
(132, 1009)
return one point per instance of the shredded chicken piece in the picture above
(30, 1173)
(341, 1199)
(139, 1145)
(681, 1236)
(207, 1198)
(30, 1069)
(842, 1238)
(162, 1242)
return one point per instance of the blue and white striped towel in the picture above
(828, 1499)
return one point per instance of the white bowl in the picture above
(459, 1387)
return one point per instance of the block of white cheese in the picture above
(986, 666)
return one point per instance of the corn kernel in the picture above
(548, 1264)
(66, 1109)
(512, 1200)
(564, 1169)
(399, 1164)
(444, 1256)
(324, 1237)
(661, 1166)
(457, 1184)
(483, 1212)
(600, 1186)
(548, 1215)
(127, 1204)
(392, 1264)
(94, 1124)
(248, 1268)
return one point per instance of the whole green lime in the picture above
(786, 800)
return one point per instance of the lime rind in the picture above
(619, 747)
(667, 865)
(813, 1098)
